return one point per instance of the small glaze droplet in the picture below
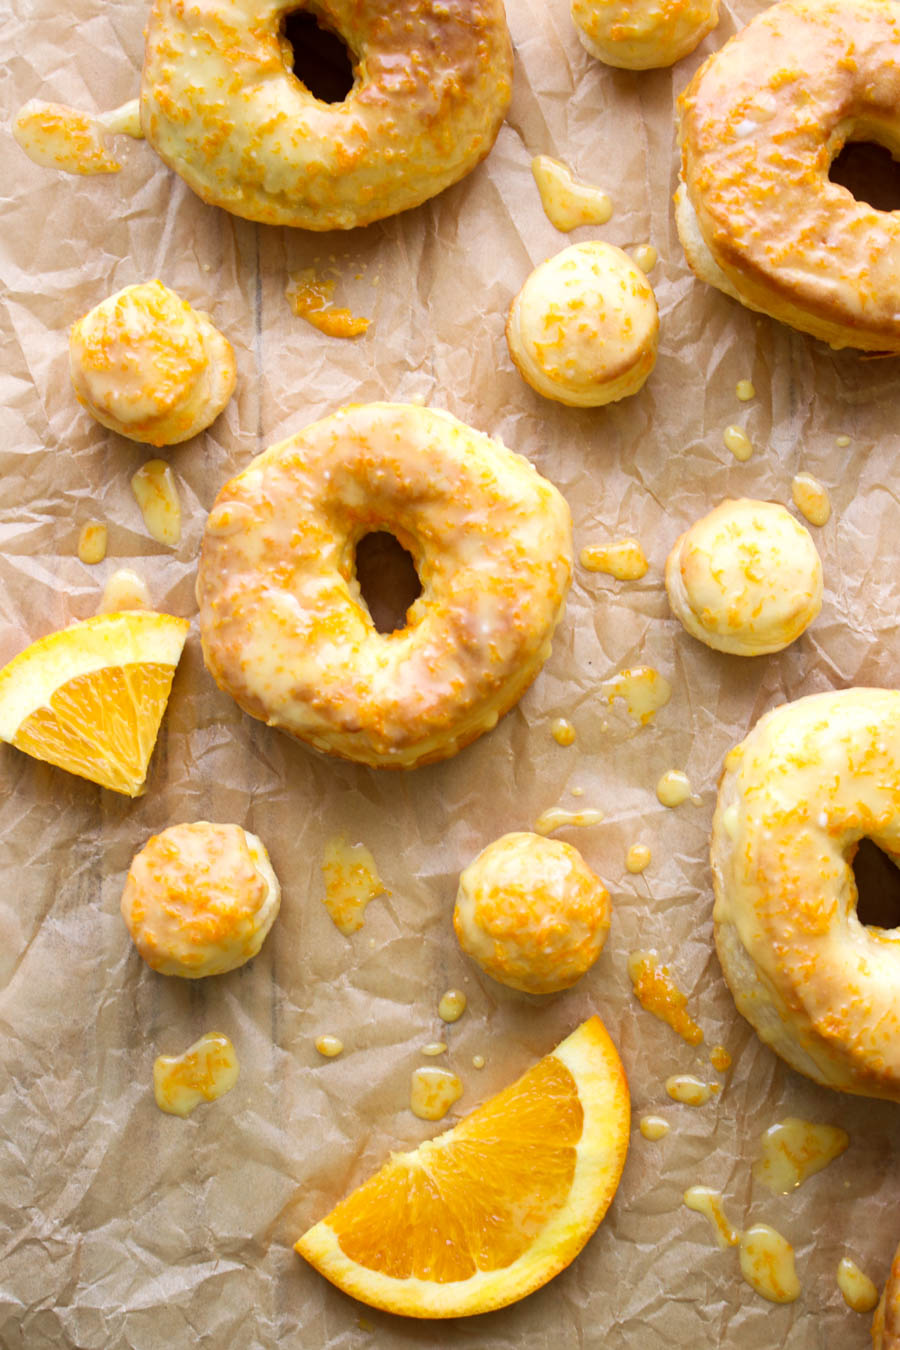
(207, 1069)
(329, 1046)
(92, 542)
(688, 1090)
(644, 690)
(767, 1264)
(567, 202)
(637, 858)
(624, 560)
(843, 442)
(156, 494)
(745, 390)
(793, 1150)
(673, 788)
(656, 991)
(811, 498)
(452, 1005)
(562, 731)
(720, 1059)
(351, 881)
(124, 590)
(645, 257)
(738, 442)
(556, 817)
(434, 1048)
(310, 297)
(433, 1092)
(704, 1200)
(858, 1290)
(478, 1061)
(654, 1127)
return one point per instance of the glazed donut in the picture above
(761, 123)
(147, 365)
(810, 781)
(200, 899)
(286, 631)
(644, 35)
(531, 912)
(583, 330)
(222, 107)
(746, 578)
(886, 1322)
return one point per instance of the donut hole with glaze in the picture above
(877, 877)
(318, 56)
(387, 578)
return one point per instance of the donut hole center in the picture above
(318, 57)
(878, 886)
(387, 579)
(868, 170)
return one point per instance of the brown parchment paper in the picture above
(120, 1226)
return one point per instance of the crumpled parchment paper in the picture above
(120, 1226)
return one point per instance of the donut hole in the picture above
(869, 172)
(319, 57)
(387, 579)
(878, 886)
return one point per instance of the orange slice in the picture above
(90, 698)
(492, 1209)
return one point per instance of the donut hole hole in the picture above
(319, 58)
(869, 172)
(878, 886)
(387, 579)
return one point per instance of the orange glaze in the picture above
(221, 106)
(720, 1059)
(656, 991)
(351, 881)
(310, 298)
(59, 137)
(207, 1070)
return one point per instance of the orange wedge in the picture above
(90, 698)
(492, 1209)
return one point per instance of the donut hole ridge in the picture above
(867, 165)
(387, 578)
(318, 56)
(877, 877)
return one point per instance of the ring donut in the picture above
(222, 107)
(812, 779)
(286, 631)
(761, 123)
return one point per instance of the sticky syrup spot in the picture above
(858, 1290)
(690, 1091)
(566, 201)
(310, 298)
(433, 1092)
(793, 1150)
(645, 257)
(745, 390)
(811, 498)
(156, 494)
(653, 1127)
(329, 1046)
(720, 1059)
(562, 731)
(556, 817)
(434, 1048)
(673, 788)
(656, 991)
(644, 690)
(623, 560)
(452, 1005)
(207, 1069)
(637, 858)
(351, 881)
(92, 542)
(124, 590)
(704, 1200)
(767, 1264)
(478, 1061)
(738, 442)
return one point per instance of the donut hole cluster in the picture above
(318, 56)
(387, 579)
(877, 878)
